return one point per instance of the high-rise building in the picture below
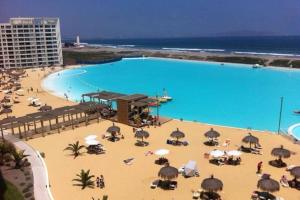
(30, 42)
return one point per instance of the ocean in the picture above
(264, 45)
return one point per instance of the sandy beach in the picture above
(133, 181)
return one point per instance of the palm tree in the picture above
(5, 148)
(18, 158)
(84, 179)
(75, 148)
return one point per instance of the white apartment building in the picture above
(30, 42)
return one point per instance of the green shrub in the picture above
(28, 194)
(25, 190)
(42, 154)
(105, 197)
(27, 173)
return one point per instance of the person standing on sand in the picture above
(102, 185)
(259, 166)
(98, 182)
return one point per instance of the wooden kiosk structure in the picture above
(128, 107)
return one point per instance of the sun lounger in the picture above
(16, 101)
(173, 185)
(258, 146)
(128, 161)
(226, 143)
(255, 151)
(290, 167)
(19, 94)
(206, 155)
(284, 184)
(196, 195)
(185, 143)
(149, 153)
(154, 184)
(254, 195)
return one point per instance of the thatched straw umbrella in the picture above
(250, 139)
(268, 185)
(141, 134)
(45, 108)
(177, 134)
(113, 130)
(212, 185)
(168, 173)
(6, 111)
(295, 171)
(281, 153)
(212, 133)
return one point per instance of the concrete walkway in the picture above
(39, 169)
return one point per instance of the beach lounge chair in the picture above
(149, 153)
(154, 184)
(254, 195)
(206, 155)
(169, 142)
(255, 151)
(128, 161)
(226, 143)
(283, 184)
(290, 167)
(196, 195)
(258, 146)
(173, 185)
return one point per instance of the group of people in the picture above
(31, 90)
(227, 160)
(100, 182)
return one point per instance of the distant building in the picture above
(78, 44)
(30, 42)
(77, 40)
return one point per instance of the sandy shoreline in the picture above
(182, 54)
(132, 182)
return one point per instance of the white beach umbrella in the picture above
(162, 152)
(234, 153)
(35, 100)
(217, 153)
(91, 137)
(30, 98)
(92, 142)
(20, 90)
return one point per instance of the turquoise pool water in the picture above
(230, 95)
(296, 132)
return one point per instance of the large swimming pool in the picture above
(230, 94)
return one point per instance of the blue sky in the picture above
(162, 18)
